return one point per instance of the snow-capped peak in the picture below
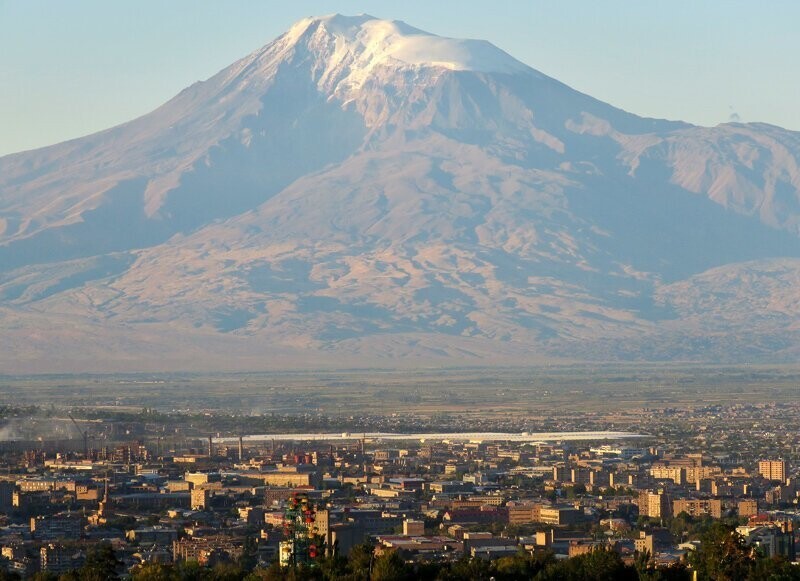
(349, 48)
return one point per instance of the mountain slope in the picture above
(360, 192)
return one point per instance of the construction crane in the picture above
(84, 435)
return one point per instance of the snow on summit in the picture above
(362, 43)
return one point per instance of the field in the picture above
(523, 391)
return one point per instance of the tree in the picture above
(360, 560)
(273, 573)
(648, 571)
(467, 568)
(522, 566)
(427, 571)
(249, 558)
(642, 564)
(598, 565)
(43, 576)
(226, 572)
(101, 564)
(775, 569)
(333, 566)
(189, 571)
(153, 572)
(673, 572)
(390, 567)
(723, 555)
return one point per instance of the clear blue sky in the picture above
(69, 68)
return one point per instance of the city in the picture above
(167, 492)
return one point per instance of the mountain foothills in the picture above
(362, 193)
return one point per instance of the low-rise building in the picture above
(698, 507)
(560, 515)
(773, 538)
(56, 527)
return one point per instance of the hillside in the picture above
(362, 193)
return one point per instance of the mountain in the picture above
(362, 193)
